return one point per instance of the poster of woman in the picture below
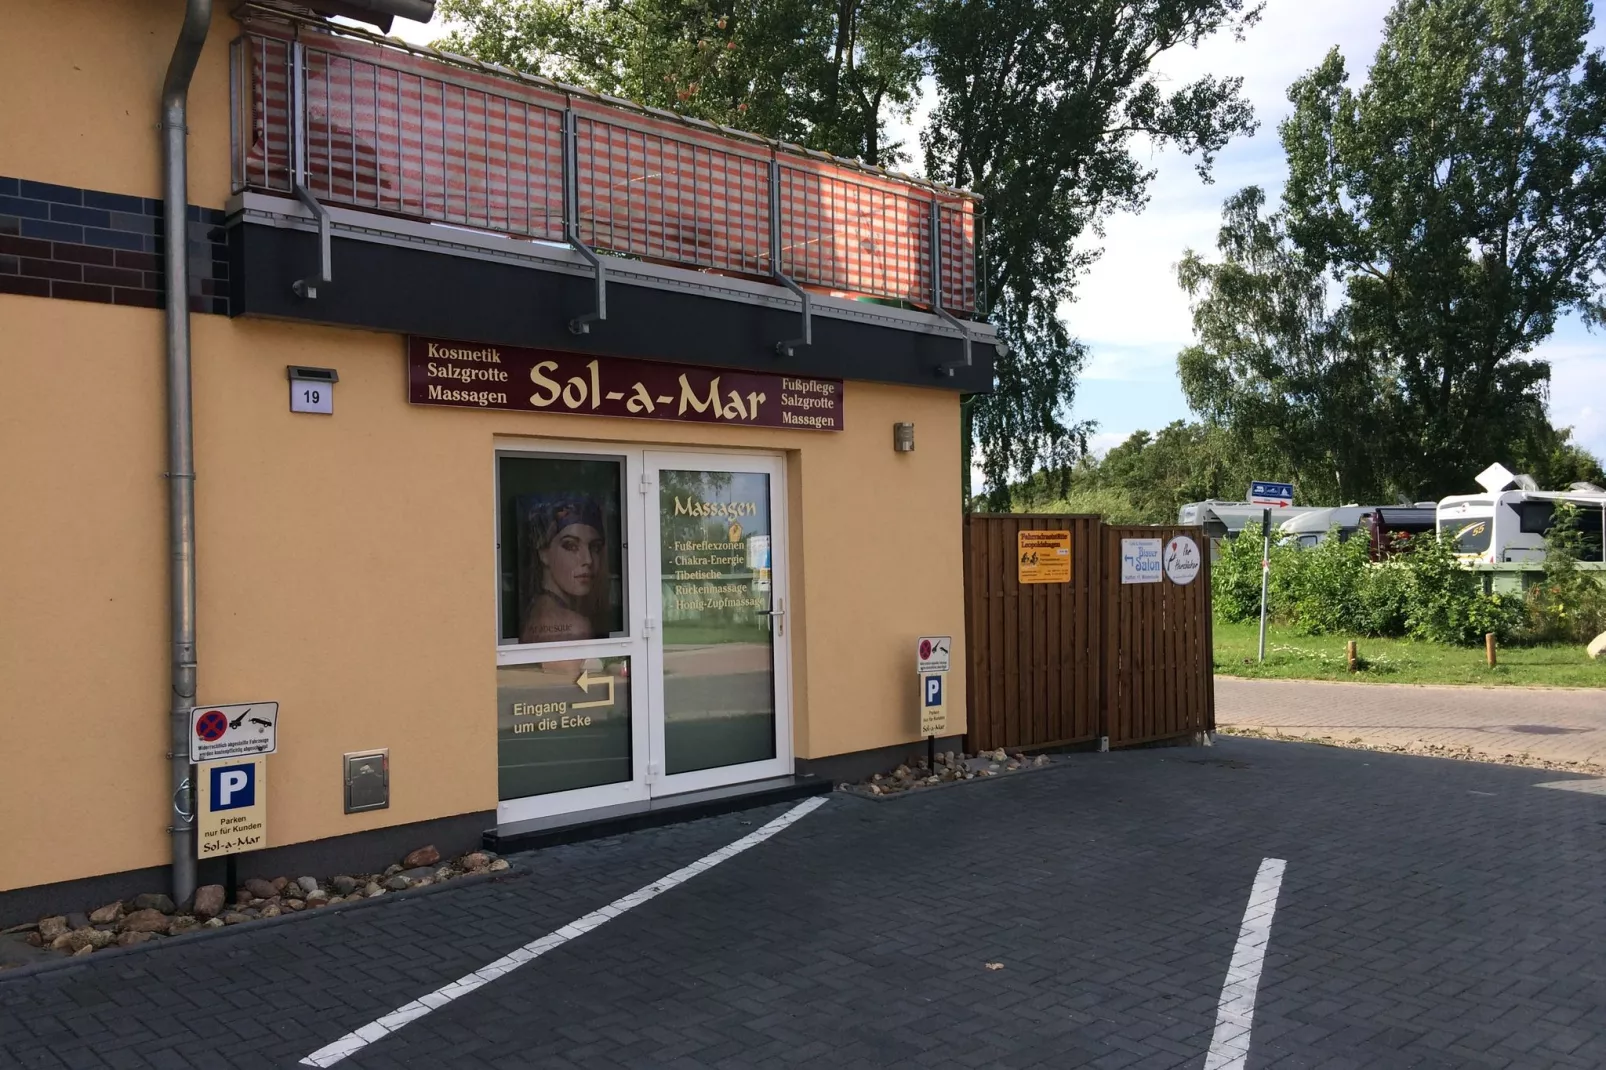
(564, 582)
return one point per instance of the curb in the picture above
(34, 969)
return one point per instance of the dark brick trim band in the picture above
(87, 245)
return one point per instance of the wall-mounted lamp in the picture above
(903, 438)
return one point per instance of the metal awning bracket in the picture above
(945, 370)
(308, 287)
(788, 348)
(571, 225)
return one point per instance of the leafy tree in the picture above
(1456, 204)
(1040, 106)
(829, 76)
(1275, 359)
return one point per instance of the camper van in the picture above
(1313, 527)
(1226, 519)
(1510, 525)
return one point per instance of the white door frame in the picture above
(774, 466)
(643, 593)
(633, 645)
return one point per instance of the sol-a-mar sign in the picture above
(465, 375)
(1045, 556)
(231, 810)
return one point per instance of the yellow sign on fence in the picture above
(1045, 556)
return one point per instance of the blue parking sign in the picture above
(933, 689)
(233, 786)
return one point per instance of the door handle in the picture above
(778, 615)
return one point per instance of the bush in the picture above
(1326, 586)
(1334, 587)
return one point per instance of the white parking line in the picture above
(1229, 1045)
(353, 1042)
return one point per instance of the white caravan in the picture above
(1506, 524)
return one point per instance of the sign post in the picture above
(931, 669)
(1265, 575)
(1275, 496)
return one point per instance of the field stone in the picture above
(154, 901)
(308, 884)
(235, 917)
(272, 910)
(148, 920)
(499, 865)
(208, 901)
(84, 950)
(373, 889)
(261, 889)
(77, 919)
(214, 923)
(184, 924)
(280, 884)
(475, 861)
(108, 914)
(52, 927)
(343, 885)
(424, 856)
(90, 938)
(130, 939)
(399, 883)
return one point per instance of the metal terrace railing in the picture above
(360, 123)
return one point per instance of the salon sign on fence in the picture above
(1141, 560)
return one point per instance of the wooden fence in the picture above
(1061, 663)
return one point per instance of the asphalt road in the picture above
(1431, 914)
(1555, 724)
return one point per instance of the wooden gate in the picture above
(1157, 646)
(1034, 648)
(1054, 664)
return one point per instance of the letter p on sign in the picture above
(233, 786)
(933, 689)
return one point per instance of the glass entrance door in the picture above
(716, 555)
(640, 636)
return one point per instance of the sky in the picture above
(1130, 311)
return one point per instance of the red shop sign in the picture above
(473, 376)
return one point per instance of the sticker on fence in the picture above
(1140, 560)
(1045, 556)
(1182, 560)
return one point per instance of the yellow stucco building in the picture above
(542, 563)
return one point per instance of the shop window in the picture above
(560, 548)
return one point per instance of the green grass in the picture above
(1292, 656)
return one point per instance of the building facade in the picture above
(544, 447)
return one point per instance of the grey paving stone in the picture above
(1419, 925)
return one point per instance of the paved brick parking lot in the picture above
(1555, 724)
(1433, 914)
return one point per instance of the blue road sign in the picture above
(1277, 494)
(934, 689)
(233, 786)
